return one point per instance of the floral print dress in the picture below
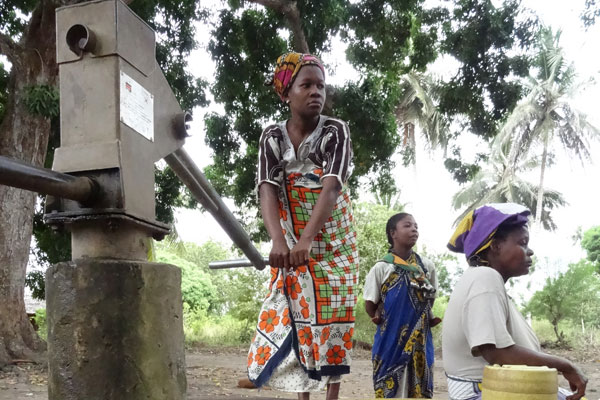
(305, 327)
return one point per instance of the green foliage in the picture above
(483, 39)
(42, 100)
(491, 45)
(573, 295)
(217, 304)
(197, 288)
(244, 45)
(205, 253)
(440, 305)
(591, 244)
(170, 192)
(548, 112)
(446, 279)
(577, 336)
(52, 246)
(498, 181)
(439, 309)
(386, 192)
(369, 222)
(13, 16)
(36, 282)
(461, 171)
(42, 323)
(420, 94)
(369, 107)
(591, 12)
(545, 331)
(385, 39)
(244, 292)
(393, 37)
(209, 294)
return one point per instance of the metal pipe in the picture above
(24, 176)
(189, 173)
(243, 262)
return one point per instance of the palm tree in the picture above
(386, 192)
(417, 106)
(547, 113)
(499, 182)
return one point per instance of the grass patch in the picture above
(439, 309)
(583, 340)
(364, 329)
(200, 328)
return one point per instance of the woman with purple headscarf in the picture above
(305, 326)
(482, 325)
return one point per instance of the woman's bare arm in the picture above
(372, 309)
(269, 208)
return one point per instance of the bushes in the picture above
(572, 296)
(42, 323)
(201, 328)
(581, 338)
(439, 309)
(197, 288)
(220, 307)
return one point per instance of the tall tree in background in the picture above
(591, 12)
(386, 39)
(548, 113)
(419, 107)
(488, 45)
(573, 295)
(246, 41)
(498, 182)
(29, 104)
(591, 245)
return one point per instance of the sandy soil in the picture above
(214, 374)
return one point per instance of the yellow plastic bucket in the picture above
(519, 382)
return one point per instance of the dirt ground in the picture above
(214, 374)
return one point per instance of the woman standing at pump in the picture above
(305, 326)
(482, 325)
(399, 293)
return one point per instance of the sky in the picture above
(427, 189)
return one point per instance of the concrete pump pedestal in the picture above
(115, 331)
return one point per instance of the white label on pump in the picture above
(137, 107)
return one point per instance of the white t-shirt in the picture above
(382, 270)
(480, 312)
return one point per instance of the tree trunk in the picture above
(290, 11)
(540, 194)
(23, 136)
(555, 326)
